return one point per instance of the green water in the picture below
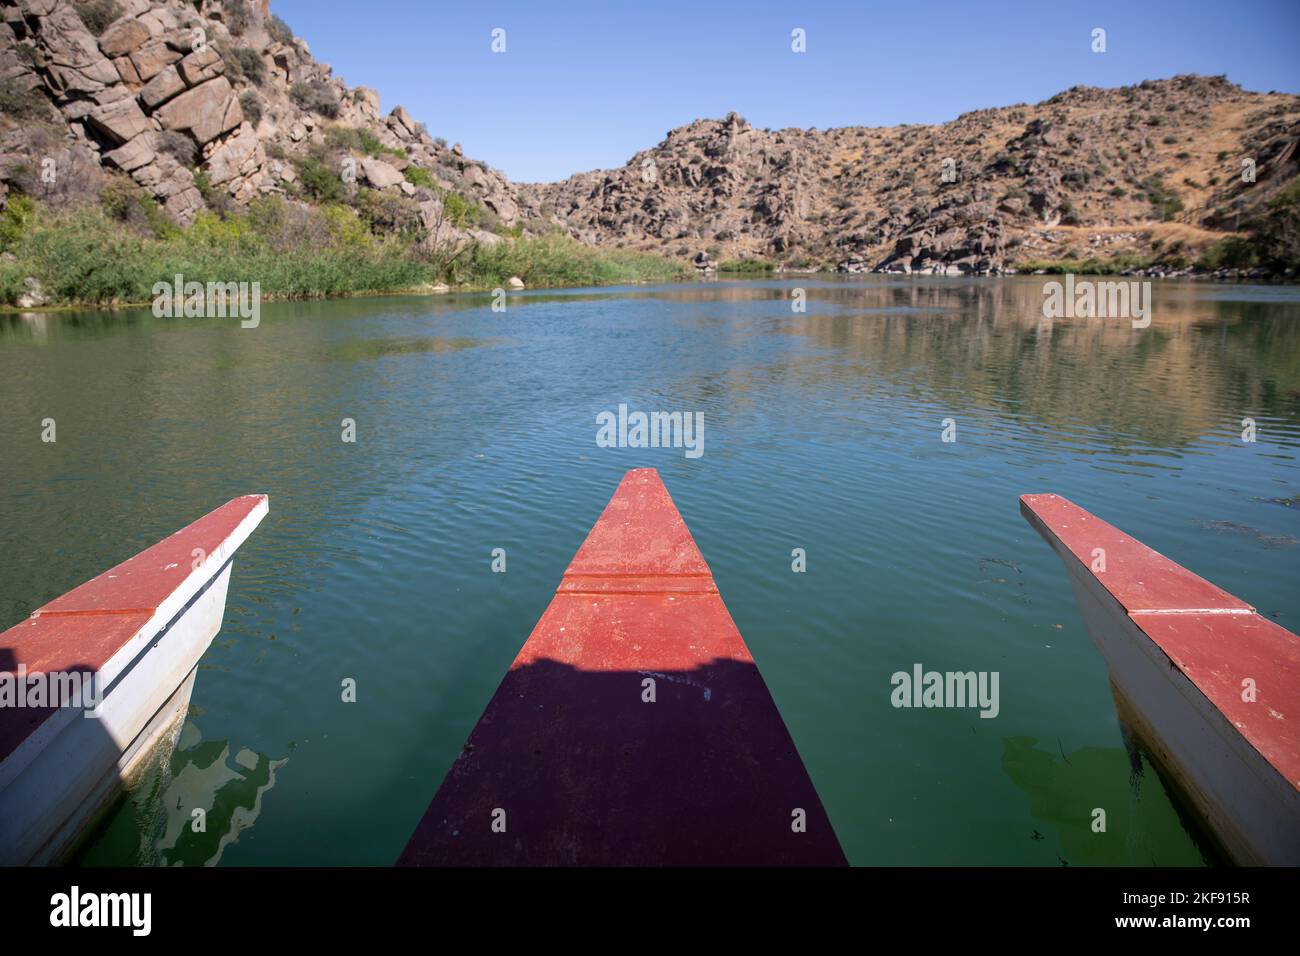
(476, 430)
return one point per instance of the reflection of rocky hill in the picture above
(985, 348)
(228, 790)
(156, 825)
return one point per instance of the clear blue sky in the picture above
(584, 85)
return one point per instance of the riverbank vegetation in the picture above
(114, 252)
(746, 267)
(1269, 242)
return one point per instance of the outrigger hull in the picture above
(633, 728)
(139, 629)
(1208, 687)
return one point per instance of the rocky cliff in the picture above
(213, 103)
(1090, 171)
(209, 102)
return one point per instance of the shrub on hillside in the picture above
(359, 141)
(217, 200)
(387, 214)
(279, 30)
(238, 16)
(319, 181)
(18, 213)
(247, 63)
(459, 211)
(1234, 252)
(125, 202)
(98, 14)
(21, 103)
(419, 176)
(1276, 233)
(746, 266)
(179, 147)
(251, 104)
(1165, 204)
(316, 97)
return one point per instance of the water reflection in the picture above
(187, 807)
(228, 792)
(1142, 826)
(476, 430)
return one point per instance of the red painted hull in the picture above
(570, 765)
(1211, 687)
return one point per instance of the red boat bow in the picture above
(571, 764)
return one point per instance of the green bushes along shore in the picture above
(115, 252)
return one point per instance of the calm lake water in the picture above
(476, 430)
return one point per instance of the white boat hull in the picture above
(1251, 811)
(59, 780)
(1209, 688)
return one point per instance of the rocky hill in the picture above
(1135, 170)
(212, 103)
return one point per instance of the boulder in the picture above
(127, 71)
(38, 8)
(379, 174)
(401, 121)
(162, 88)
(33, 295)
(152, 58)
(367, 97)
(123, 36)
(205, 112)
(110, 94)
(140, 151)
(184, 205)
(200, 66)
(164, 177)
(240, 155)
(501, 204)
(72, 57)
(160, 21)
(77, 109)
(120, 121)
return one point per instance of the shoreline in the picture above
(426, 292)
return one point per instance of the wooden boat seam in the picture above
(1230, 734)
(1229, 731)
(1243, 612)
